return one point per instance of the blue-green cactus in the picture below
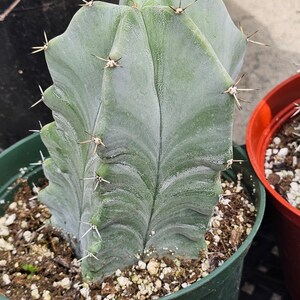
(142, 127)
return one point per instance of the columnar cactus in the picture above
(142, 127)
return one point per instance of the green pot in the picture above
(221, 284)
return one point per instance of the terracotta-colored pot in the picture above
(272, 111)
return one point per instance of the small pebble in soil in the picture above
(46, 295)
(5, 279)
(5, 246)
(34, 292)
(65, 283)
(27, 235)
(10, 219)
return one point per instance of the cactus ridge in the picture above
(142, 128)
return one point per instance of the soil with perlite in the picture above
(282, 161)
(36, 262)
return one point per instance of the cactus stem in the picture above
(87, 3)
(89, 254)
(40, 100)
(98, 180)
(41, 48)
(92, 227)
(97, 141)
(179, 10)
(110, 63)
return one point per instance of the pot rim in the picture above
(259, 168)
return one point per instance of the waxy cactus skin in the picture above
(142, 128)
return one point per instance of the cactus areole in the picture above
(142, 128)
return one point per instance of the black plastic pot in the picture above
(221, 284)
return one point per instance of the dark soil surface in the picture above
(282, 163)
(37, 263)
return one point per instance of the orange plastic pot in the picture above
(272, 111)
